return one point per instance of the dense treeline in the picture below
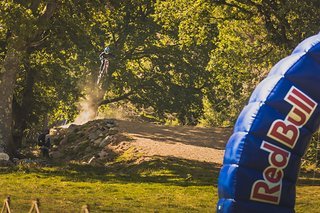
(197, 61)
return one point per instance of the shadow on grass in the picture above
(167, 170)
(309, 178)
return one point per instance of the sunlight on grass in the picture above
(163, 185)
(308, 199)
(59, 195)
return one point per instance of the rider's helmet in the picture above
(107, 50)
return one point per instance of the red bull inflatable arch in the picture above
(272, 133)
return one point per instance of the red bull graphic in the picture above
(268, 190)
(262, 157)
(287, 131)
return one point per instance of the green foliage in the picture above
(187, 61)
(57, 58)
(311, 159)
(199, 51)
(159, 68)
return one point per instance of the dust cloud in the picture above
(89, 104)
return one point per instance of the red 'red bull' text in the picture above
(286, 132)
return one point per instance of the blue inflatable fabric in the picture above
(262, 157)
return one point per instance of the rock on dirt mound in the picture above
(95, 142)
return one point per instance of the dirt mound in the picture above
(105, 141)
(96, 142)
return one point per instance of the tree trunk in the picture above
(8, 73)
(23, 110)
(15, 50)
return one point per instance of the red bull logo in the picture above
(286, 132)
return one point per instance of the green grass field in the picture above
(162, 185)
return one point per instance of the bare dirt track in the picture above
(191, 143)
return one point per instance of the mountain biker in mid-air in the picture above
(104, 58)
(105, 55)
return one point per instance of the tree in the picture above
(153, 68)
(191, 59)
(250, 37)
(44, 57)
(32, 24)
(217, 50)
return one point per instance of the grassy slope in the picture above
(161, 185)
(58, 195)
(120, 188)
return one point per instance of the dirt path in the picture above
(192, 143)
